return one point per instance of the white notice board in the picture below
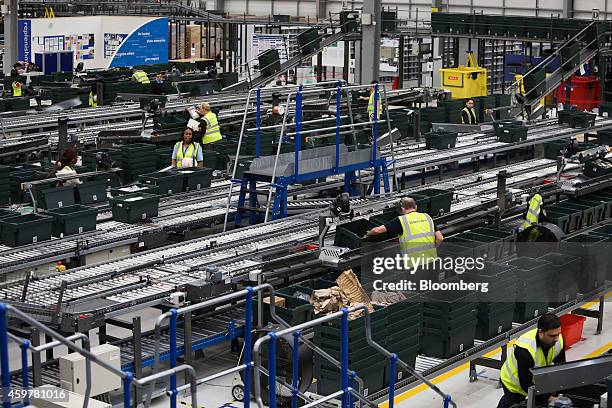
(264, 42)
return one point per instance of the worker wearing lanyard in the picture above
(187, 153)
(468, 114)
(209, 125)
(534, 211)
(537, 348)
(418, 237)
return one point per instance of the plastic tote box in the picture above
(465, 81)
(269, 62)
(25, 229)
(133, 208)
(74, 219)
(92, 192)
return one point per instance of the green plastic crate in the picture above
(196, 178)
(134, 208)
(308, 40)
(350, 234)
(440, 140)
(445, 344)
(168, 182)
(25, 229)
(74, 219)
(328, 381)
(593, 254)
(92, 192)
(495, 323)
(440, 200)
(56, 197)
(294, 312)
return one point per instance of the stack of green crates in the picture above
(506, 239)
(431, 115)
(533, 291)
(511, 133)
(449, 323)
(565, 271)
(164, 156)
(604, 137)
(568, 219)
(605, 231)
(496, 306)
(135, 188)
(215, 160)
(367, 362)
(591, 250)
(494, 246)
(5, 185)
(137, 159)
(404, 328)
(294, 311)
(165, 122)
(604, 197)
(452, 110)
(552, 149)
(18, 176)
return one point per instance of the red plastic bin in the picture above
(571, 329)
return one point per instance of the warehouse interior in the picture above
(309, 203)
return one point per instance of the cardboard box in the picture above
(278, 301)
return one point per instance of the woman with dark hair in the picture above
(187, 153)
(65, 166)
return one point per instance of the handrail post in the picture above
(4, 356)
(25, 371)
(298, 132)
(173, 319)
(392, 366)
(258, 119)
(352, 385)
(344, 360)
(127, 389)
(248, 346)
(338, 96)
(375, 125)
(272, 370)
(295, 373)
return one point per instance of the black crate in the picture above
(328, 381)
(593, 254)
(196, 178)
(440, 140)
(92, 192)
(350, 234)
(564, 268)
(168, 182)
(444, 344)
(507, 238)
(269, 62)
(6, 213)
(440, 200)
(308, 40)
(294, 312)
(134, 208)
(25, 229)
(349, 20)
(511, 134)
(494, 323)
(526, 311)
(74, 219)
(56, 197)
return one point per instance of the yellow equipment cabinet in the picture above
(465, 81)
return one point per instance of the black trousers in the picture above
(510, 399)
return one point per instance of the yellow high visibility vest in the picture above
(371, 107)
(16, 89)
(192, 152)
(533, 214)
(468, 110)
(212, 129)
(141, 77)
(92, 102)
(418, 239)
(509, 371)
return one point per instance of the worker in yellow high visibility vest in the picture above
(418, 237)
(539, 347)
(140, 76)
(468, 114)
(209, 125)
(93, 100)
(17, 90)
(187, 153)
(534, 211)
(370, 100)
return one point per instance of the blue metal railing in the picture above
(126, 377)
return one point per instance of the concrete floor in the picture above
(482, 393)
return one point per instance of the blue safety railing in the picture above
(127, 377)
(347, 391)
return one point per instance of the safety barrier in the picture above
(126, 376)
(347, 392)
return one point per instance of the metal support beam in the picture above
(9, 11)
(321, 9)
(370, 44)
(568, 8)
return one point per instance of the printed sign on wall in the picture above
(24, 40)
(148, 44)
